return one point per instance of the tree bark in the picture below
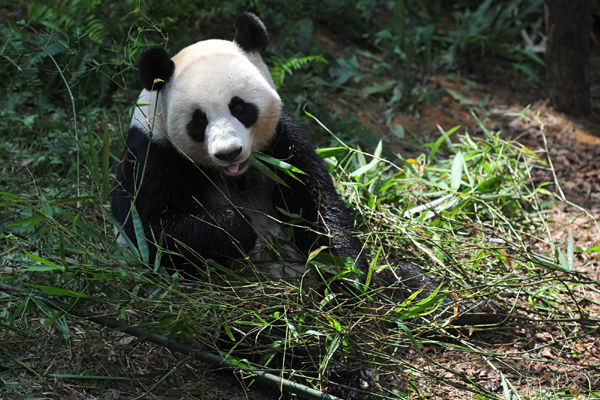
(568, 24)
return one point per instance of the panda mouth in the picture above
(233, 168)
(236, 168)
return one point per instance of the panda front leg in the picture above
(336, 227)
(315, 197)
(220, 233)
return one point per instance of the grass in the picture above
(465, 209)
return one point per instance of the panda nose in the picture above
(229, 156)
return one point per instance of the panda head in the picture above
(215, 101)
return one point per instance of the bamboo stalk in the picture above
(214, 359)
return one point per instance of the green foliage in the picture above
(485, 179)
(446, 36)
(279, 68)
(492, 29)
(68, 18)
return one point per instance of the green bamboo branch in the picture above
(213, 359)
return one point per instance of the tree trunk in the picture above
(568, 24)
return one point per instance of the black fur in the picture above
(175, 199)
(178, 199)
(246, 113)
(251, 34)
(155, 64)
(196, 128)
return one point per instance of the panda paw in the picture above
(357, 384)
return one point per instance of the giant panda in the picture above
(186, 167)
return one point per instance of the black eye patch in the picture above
(246, 113)
(197, 126)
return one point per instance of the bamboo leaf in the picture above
(140, 235)
(570, 251)
(43, 261)
(372, 267)
(229, 332)
(457, 170)
(59, 292)
(29, 221)
(105, 160)
(372, 164)
(46, 206)
(276, 162)
(267, 172)
(332, 152)
(411, 338)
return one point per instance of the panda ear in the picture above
(156, 68)
(251, 34)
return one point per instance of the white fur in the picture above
(207, 76)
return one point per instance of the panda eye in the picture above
(246, 113)
(197, 126)
(237, 109)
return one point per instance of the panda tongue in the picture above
(233, 168)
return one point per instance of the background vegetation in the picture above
(464, 205)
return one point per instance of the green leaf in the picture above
(283, 166)
(287, 213)
(43, 261)
(267, 172)
(505, 388)
(9, 203)
(398, 130)
(124, 236)
(229, 332)
(46, 206)
(372, 267)
(422, 307)
(435, 148)
(594, 249)
(457, 170)
(60, 292)
(314, 254)
(407, 164)
(490, 185)
(29, 221)
(138, 228)
(335, 343)
(105, 185)
(10, 195)
(411, 338)
(332, 152)
(562, 260)
(74, 200)
(377, 87)
(485, 130)
(227, 271)
(570, 251)
(372, 164)
(277, 162)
